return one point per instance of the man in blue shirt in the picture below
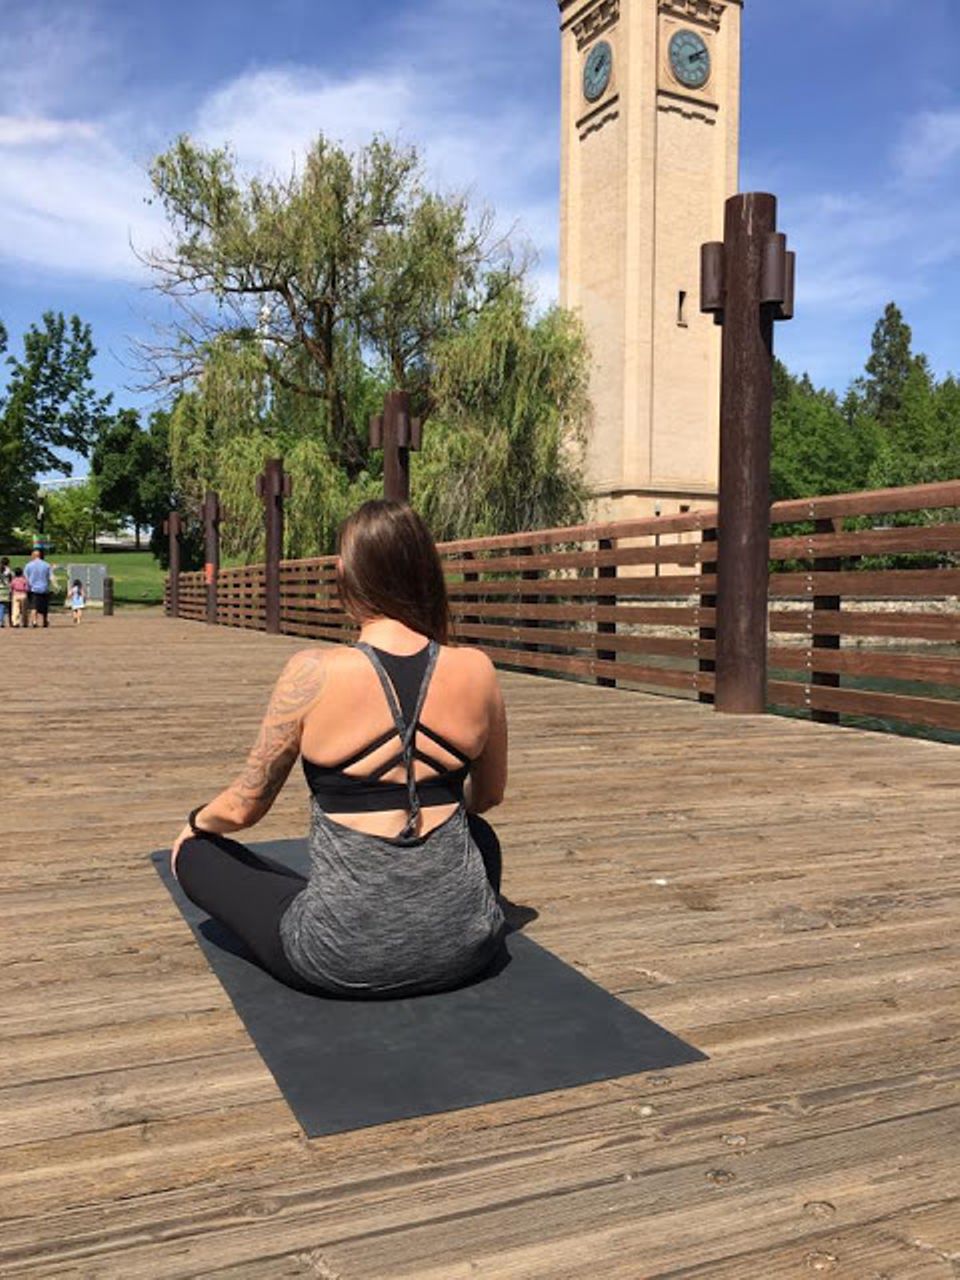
(39, 576)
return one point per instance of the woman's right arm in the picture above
(488, 773)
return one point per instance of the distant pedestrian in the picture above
(77, 600)
(39, 576)
(6, 577)
(19, 591)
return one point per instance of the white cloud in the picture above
(72, 194)
(929, 147)
(25, 131)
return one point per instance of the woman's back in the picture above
(351, 713)
(398, 898)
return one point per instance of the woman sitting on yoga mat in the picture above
(404, 742)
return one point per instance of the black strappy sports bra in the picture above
(406, 676)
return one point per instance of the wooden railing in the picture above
(876, 642)
(858, 625)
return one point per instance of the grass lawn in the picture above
(137, 577)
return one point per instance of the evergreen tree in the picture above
(888, 368)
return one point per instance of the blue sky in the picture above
(851, 115)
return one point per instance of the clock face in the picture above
(690, 59)
(597, 71)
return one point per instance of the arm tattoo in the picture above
(278, 742)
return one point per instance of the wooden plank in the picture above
(895, 583)
(934, 713)
(868, 542)
(944, 627)
(798, 921)
(683, 585)
(665, 553)
(921, 497)
(627, 615)
(855, 662)
(647, 527)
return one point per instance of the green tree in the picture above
(49, 406)
(75, 517)
(349, 262)
(818, 446)
(504, 450)
(889, 366)
(133, 471)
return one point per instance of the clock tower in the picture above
(650, 152)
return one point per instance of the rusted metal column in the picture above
(605, 628)
(173, 527)
(396, 432)
(211, 540)
(273, 486)
(747, 283)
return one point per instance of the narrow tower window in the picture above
(682, 309)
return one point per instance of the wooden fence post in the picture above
(708, 601)
(211, 538)
(273, 486)
(396, 433)
(747, 282)
(173, 527)
(831, 604)
(604, 602)
(529, 575)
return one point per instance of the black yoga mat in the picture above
(533, 1026)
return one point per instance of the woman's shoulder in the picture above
(471, 661)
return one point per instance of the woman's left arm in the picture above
(250, 796)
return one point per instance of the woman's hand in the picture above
(185, 834)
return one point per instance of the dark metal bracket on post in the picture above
(747, 282)
(173, 528)
(211, 540)
(273, 486)
(396, 432)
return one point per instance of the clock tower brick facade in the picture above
(650, 152)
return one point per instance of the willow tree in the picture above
(349, 260)
(505, 446)
(303, 300)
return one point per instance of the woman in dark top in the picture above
(404, 742)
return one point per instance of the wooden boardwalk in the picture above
(782, 895)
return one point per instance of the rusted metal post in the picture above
(273, 486)
(108, 597)
(211, 541)
(396, 432)
(173, 528)
(747, 282)
(605, 628)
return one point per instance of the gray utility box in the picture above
(92, 576)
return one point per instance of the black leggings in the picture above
(249, 893)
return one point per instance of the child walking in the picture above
(77, 600)
(6, 577)
(18, 598)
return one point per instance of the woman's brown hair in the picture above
(390, 568)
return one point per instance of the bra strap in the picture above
(406, 732)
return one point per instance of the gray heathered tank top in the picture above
(393, 915)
